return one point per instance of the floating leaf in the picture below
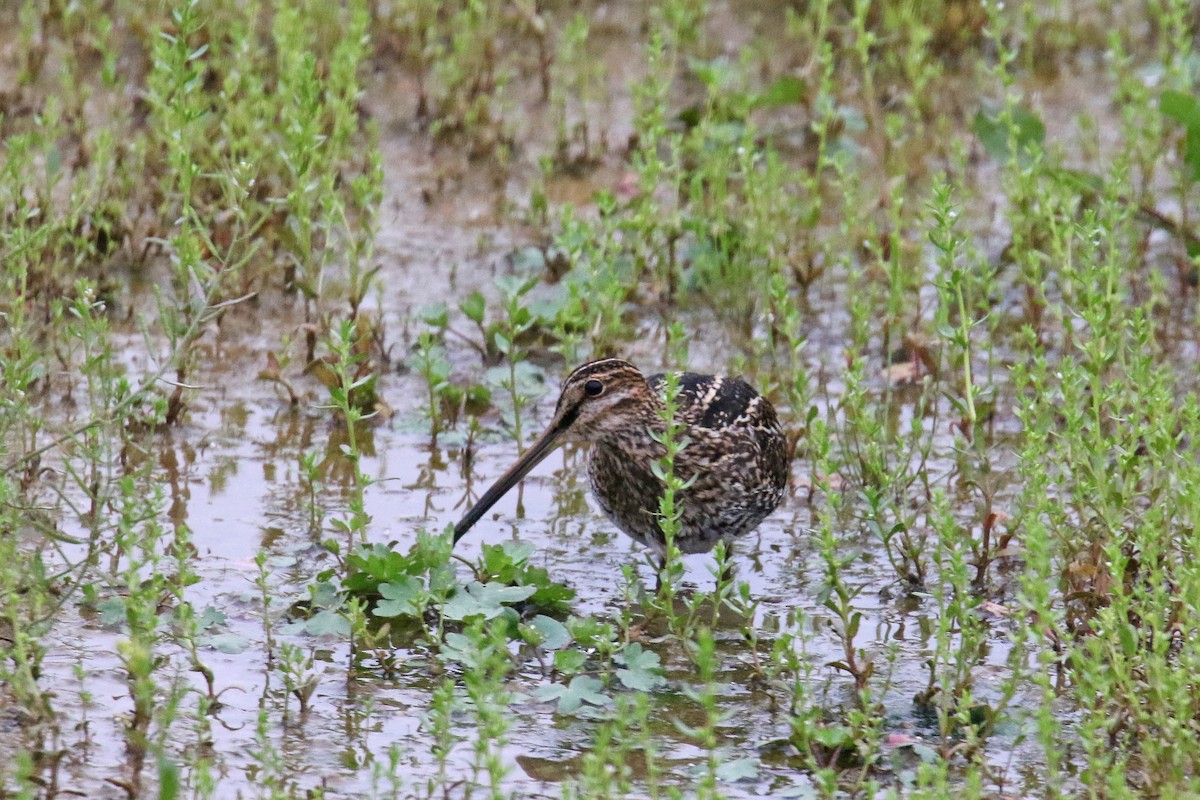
(569, 662)
(229, 643)
(327, 621)
(925, 753)
(459, 647)
(504, 561)
(405, 595)
(553, 597)
(374, 565)
(112, 610)
(571, 697)
(528, 260)
(555, 635)
(518, 551)
(642, 670)
(484, 600)
(210, 617)
(531, 379)
(738, 770)
(508, 564)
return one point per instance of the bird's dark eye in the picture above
(593, 388)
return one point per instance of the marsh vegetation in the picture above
(284, 285)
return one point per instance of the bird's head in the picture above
(599, 400)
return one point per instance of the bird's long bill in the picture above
(533, 456)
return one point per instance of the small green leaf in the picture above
(491, 592)
(513, 286)
(485, 600)
(554, 598)
(1191, 154)
(737, 770)
(571, 698)
(229, 643)
(508, 564)
(713, 73)
(474, 307)
(442, 579)
(210, 617)
(925, 753)
(519, 552)
(112, 610)
(528, 260)
(1183, 108)
(554, 634)
(993, 132)
(784, 91)
(834, 736)
(691, 116)
(569, 662)
(642, 670)
(53, 161)
(459, 647)
(327, 621)
(436, 315)
(404, 595)
(1129, 638)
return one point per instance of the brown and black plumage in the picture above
(735, 456)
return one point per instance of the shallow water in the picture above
(232, 475)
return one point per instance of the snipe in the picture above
(736, 454)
